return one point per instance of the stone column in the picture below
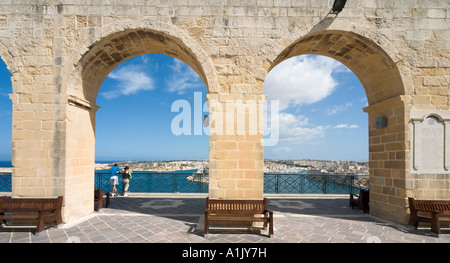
(38, 144)
(79, 158)
(389, 159)
(236, 159)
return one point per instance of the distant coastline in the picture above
(286, 166)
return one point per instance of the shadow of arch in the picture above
(378, 73)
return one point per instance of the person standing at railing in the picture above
(126, 176)
(114, 179)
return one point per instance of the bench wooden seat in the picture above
(41, 209)
(429, 211)
(361, 200)
(101, 198)
(238, 211)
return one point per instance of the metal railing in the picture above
(5, 182)
(179, 182)
(153, 182)
(280, 183)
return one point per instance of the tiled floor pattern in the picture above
(180, 220)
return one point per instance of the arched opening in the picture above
(5, 128)
(378, 74)
(112, 50)
(320, 107)
(139, 121)
(383, 86)
(83, 90)
(322, 144)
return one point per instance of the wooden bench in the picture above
(238, 211)
(40, 209)
(429, 211)
(101, 199)
(361, 200)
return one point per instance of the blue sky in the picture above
(320, 113)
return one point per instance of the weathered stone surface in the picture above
(59, 53)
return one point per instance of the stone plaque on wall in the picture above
(430, 145)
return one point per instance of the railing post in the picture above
(302, 184)
(200, 184)
(276, 183)
(149, 182)
(351, 184)
(174, 189)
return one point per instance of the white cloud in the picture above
(183, 78)
(346, 126)
(282, 150)
(130, 80)
(302, 80)
(293, 129)
(338, 108)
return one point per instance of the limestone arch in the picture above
(103, 55)
(16, 83)
(378, 72)
(13, 68)
(386, 81)
(156, 37)
(8, 68)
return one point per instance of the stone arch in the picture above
(377, 71)
(103, 51)
(385, 80)
(11, 65)
(103, 54)
(5, 125)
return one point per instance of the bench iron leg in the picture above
(435, 225)
(271, 225)
(40, 223)
(206, 225)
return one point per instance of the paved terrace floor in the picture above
(169, 219)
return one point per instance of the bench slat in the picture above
(246, 219)
(429, 211)
(236, 209)
(42, 210)
(12, 217)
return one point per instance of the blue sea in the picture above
(5, 164)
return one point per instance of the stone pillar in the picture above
(37, 146)
(236, 158)
(53, 150)
(389, 159)
(79, 158)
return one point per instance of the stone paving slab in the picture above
(180, 220)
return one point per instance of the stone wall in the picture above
(59, 53)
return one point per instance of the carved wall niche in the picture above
(430, 142)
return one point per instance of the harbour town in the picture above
(283, 166)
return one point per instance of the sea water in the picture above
(5, 164)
